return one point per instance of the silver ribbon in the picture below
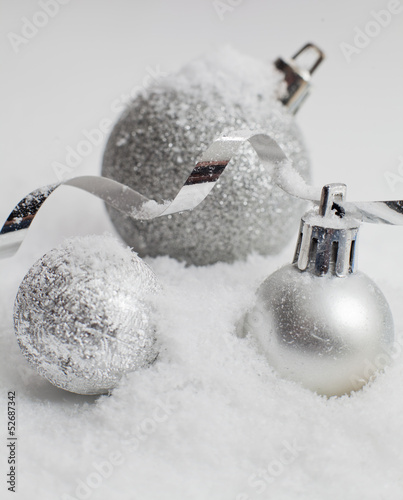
(375, 212)
(198, 185)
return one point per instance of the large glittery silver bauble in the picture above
(158, 139)
(330, 334)
(83, 315)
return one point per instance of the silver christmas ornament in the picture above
(167, 128)
(83, 315)
(319, 321)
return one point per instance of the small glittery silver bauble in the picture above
(158, 139)
(330, 334)
(83, 314)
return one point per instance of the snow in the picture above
(210, 419)
(225, 68)
(289, 179)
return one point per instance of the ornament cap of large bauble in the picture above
(296, 77)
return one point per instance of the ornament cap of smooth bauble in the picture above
(297, 78)
(327, 237)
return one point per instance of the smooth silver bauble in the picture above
(83, 315)
(159, 138)
(330, 334)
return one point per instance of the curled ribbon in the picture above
(197, 187)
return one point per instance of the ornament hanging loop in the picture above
(331, 199)
(311, 47)
(297, 79)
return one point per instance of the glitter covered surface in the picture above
(83, 317)
(159, 138)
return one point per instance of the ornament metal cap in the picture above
(297, 78)
(327, 237)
